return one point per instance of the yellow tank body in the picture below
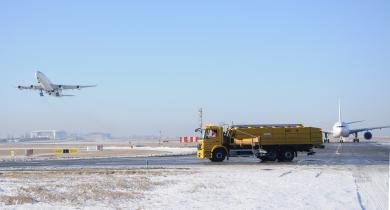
(277, 135)
(279, 139)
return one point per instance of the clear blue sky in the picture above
(157, 62)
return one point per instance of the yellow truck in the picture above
(268, 142)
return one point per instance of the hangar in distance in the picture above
(46, 86)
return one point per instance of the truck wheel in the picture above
(272, 155)
(288, 155)
(219, 155)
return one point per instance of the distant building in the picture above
(48, 134)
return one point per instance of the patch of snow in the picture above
(117, 148)
(250, 187)
(173, 150)
(231, 187)
(168, 150)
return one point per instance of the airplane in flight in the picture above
(341, 130)
(45, 86)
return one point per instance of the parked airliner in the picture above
(341, 130)
(45, 86)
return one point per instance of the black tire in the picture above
(272, 154)
(219, 155)
(286, 155)
(289, 155)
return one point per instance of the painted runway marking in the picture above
(338, 148)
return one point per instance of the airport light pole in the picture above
(201, 121)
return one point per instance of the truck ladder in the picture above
(261, 151)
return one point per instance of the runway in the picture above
(367, 153)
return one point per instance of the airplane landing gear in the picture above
(356, 139)
(41, 94)
(326, 139)
(341, 140)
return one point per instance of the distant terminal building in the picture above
(48, 134)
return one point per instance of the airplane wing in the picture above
(72, 87)
(355, 122)
(327, 132)
(367, 129)
(31, 87)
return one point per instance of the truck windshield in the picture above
(210, 134)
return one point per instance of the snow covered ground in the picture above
(171, 150)
(85, 152)
(256, 186)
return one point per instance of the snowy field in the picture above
(171, 150)
(262, 186)
(84, 152)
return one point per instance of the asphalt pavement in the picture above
(366, 153)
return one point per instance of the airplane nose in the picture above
(38, 75)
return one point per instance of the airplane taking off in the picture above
(44, 85)
(341, 130)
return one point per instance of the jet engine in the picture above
(368, 135)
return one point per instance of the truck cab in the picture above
(211, 145)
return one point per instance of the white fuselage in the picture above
(44, 82)
(340, 129)
(47, 86)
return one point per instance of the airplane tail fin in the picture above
(339, 111)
